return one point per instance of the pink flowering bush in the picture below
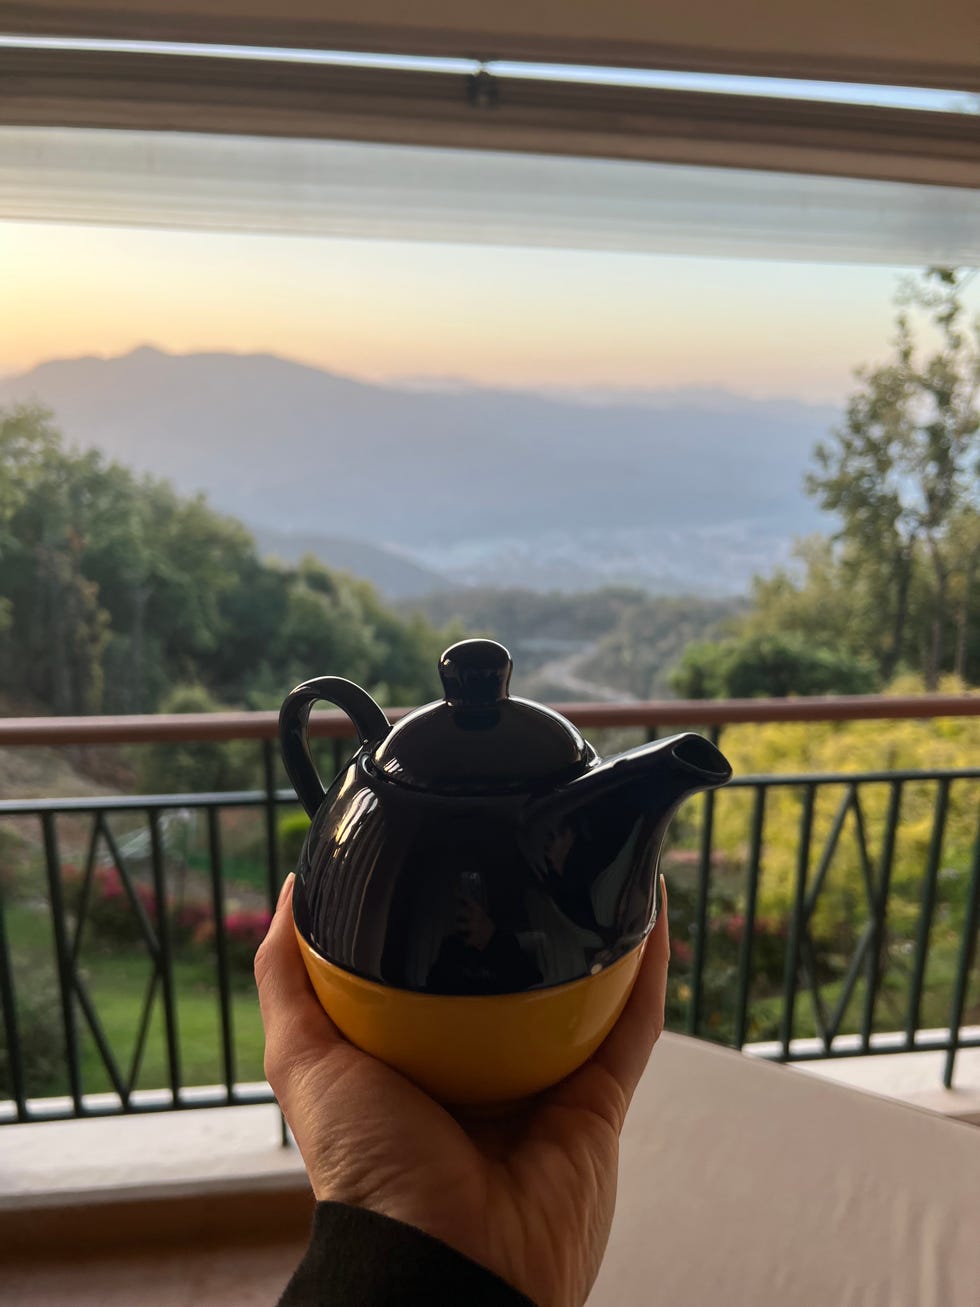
(244, 932)
(111, 923)
(110, 917)
(722, 957)
(193, 923)
(681, 952)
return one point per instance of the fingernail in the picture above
(663, 907)
(287, 885)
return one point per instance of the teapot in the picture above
(476, 887)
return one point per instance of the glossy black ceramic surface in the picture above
(481, 847)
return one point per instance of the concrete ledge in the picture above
(915, 1078)
(240, 1145)
(108, 1183)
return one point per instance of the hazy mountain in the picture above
(679, 490)
(394, 575)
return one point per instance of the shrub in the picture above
(110, 921)
(195, 768)
(110, 918)
(14, 860)
(40, 1037)
(770, 665)
(292, 832)
(845, 747)
(193, 923)
(244, 931)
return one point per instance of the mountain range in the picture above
(682, 490)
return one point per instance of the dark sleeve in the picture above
(357, 1258)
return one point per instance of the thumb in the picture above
(297, 1029)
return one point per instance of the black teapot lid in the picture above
(477, 739)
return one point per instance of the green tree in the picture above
(55, 629)
(825, 599)
(650, 635)
(115, 590)
(903, 476)
(196, 768)
(763, 665)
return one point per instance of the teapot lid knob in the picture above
(475, 673)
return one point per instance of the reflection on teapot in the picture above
(476, 885)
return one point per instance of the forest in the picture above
(119, 596)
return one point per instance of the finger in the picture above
(296, 1026)
(626, 1050)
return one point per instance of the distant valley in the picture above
(394, 573)
(682, 492)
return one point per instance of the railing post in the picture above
(751, 895)
(796, 921)
(926, 909)
(971, 924)
(8, 1001)
(166, 961)
(272, 859)
(271, 822)
(880, 911)
(221, 948)
(63, 959)
(701, 910)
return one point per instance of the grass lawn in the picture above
(117, 984)
(891, 1006)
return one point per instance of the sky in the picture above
(492, 315)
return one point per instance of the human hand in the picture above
(473, 924)
(529, 1194)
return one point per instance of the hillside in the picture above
(394, 575)
(604, 645)
(678, 491)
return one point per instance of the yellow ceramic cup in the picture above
(476, 1050)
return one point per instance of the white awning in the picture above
(345, 189)
(900, 42)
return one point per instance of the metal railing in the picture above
(721, 982)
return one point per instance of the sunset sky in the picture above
(488, 314)
(504, 313)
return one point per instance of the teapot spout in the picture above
(596, 841)
(652, 779)
(694, 763)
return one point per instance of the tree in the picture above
(903, 476)
(763, 665)
(55, 629)
(115, 589)
(196, 768)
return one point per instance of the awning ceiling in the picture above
(257, 97)
(900, 42)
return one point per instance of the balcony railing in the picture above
(127, 923)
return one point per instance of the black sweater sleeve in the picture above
(357, 1258)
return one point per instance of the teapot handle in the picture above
(369, 721)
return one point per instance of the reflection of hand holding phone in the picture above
(473, 921)
(471, 887)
